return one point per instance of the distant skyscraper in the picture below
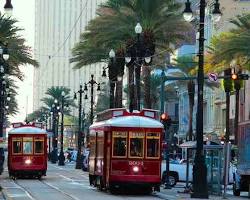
(58, 25)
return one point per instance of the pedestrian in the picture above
(69, 156)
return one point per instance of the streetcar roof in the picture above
(27, 130)
(129, 121)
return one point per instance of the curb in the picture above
(5, 195)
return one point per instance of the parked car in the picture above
(177, 172)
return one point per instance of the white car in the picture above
(177, 172)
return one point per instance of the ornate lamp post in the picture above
(78, 158)
(199, 169)
(55, 108)
(4, 56)
(92, 82)
(61, 156)
(142, 54)
(114, 76)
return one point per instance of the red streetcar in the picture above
(125, 150)
(27, 150)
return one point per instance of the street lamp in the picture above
(200, 187)
(112, 75)
(142, 54)
(115, 74)
(8, 8)
(92, 82)
(61, 156)
(79, 158)
(54, 110)
(4, 56)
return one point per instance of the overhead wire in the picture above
(66, 39)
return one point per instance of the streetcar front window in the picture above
(153, 145)
(39, 146)
(119, 144)
(136, 141)
(27, 145)
(16, 144)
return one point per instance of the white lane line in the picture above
(11, 187)
(24, 190)
(65, 177)
(65, 193)
(58, 167)
(85, 177)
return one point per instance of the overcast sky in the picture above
(24, 12)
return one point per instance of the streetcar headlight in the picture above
(28, 161)
(135, 169)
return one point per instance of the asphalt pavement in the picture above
(68, 183)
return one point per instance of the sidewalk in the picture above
(176, 193)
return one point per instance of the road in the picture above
(68, 183)
(64, 183)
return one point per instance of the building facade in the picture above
(214, 107)
(58, 25)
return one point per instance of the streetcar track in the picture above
(29, 194)
(32, 197)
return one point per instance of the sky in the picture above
(24, 12)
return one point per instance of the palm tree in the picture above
(20, 54)
(56, 93)
(187, 64)
(114, 28)
(232, 46)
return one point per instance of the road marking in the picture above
(85, 177)
(65, 177)
(24, 190)
(65, 193)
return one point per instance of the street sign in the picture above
(213, 77)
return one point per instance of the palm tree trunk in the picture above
(112, 96)
(138, 87)
(191, 91)
(131, 88)
(146, 80)
(118, 94)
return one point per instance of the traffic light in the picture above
(165, 120)
(234, 76)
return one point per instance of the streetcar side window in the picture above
(136, 144)
(119, 144)
(17, 145)
(27, 145)
(153, 145)
(39, 145)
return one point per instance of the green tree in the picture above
(114, 28)
(20, 54)
(232, 47)
(187, 64)
(56, 93)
